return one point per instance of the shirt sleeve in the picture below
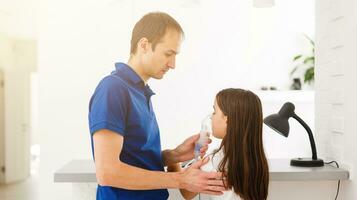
(108, 106)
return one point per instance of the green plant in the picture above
(306, 61)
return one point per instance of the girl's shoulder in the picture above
(213, 163)
(212, 166)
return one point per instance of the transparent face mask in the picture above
(206, 131)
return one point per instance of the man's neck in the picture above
(137, 67)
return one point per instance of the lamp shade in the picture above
(280, 121)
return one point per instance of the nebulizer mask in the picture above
(206, 131)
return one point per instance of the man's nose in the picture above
(172, 63)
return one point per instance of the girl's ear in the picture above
(225, 118)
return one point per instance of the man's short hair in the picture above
(153, 26)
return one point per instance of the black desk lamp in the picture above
(279, 122)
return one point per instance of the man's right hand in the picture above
(197, 181)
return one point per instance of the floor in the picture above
(25, 190)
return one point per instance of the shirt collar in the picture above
(126, 72)
(148, 90)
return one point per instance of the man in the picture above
(124, 132)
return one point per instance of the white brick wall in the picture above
(335, 108)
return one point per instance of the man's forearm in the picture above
(121, 175)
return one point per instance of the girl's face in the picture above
(219, 122)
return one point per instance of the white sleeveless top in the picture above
(212, 166)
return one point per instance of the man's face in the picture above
(158, 61)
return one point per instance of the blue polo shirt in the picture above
(121, 103)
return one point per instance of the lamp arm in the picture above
(311, 137)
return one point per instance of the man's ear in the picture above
(143, 45)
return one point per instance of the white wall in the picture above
(17, 60)
(78, 43)
(226, 45)
(18, 18)
(335, 92)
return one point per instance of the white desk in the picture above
(81, 173)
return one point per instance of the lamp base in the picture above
(306, 162)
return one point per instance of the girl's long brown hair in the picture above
(244, 163)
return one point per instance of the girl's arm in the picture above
(185, 193)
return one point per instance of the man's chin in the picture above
(158, 77)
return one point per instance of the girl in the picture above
(237, 120)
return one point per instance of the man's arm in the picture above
(110, 171)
